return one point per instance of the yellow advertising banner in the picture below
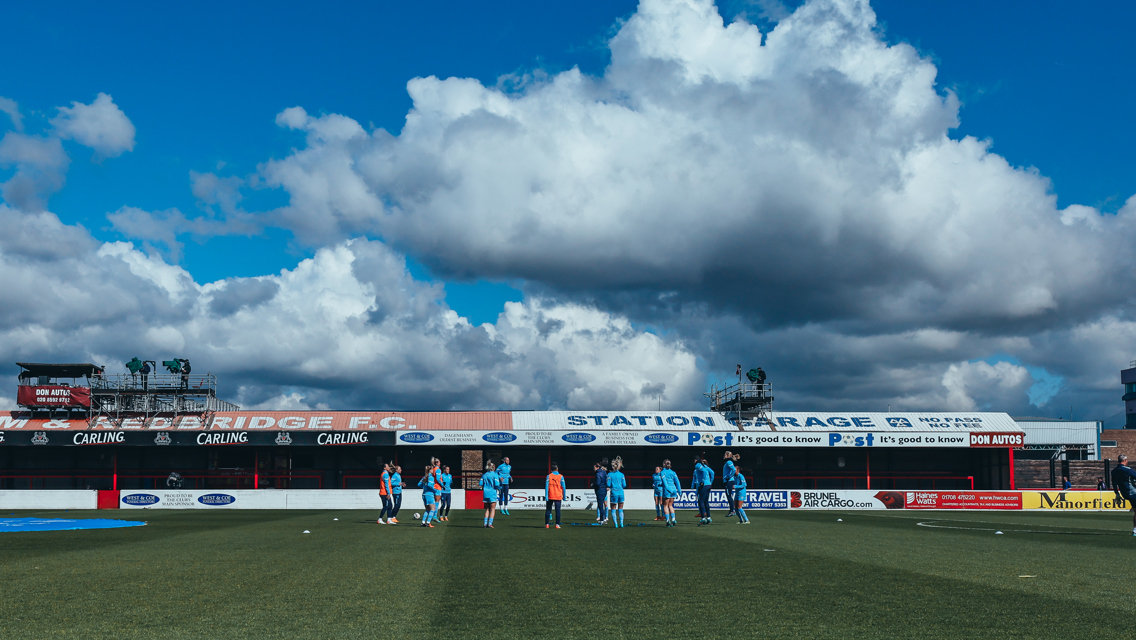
(1073, 500)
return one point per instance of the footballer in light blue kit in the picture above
(490, 484)
(505, 477)
(447, 494)
(657, 488)
(671, 490)
(739, 497)
(728, 471)
(703, 480)
(617, 485)
(396, 493)
(428, 502)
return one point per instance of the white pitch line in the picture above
(1082, 532)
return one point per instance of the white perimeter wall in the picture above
(82, 499)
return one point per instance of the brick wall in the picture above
(1035, 474)
(1125, 443)
(1031, 474)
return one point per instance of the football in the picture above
(417, 516)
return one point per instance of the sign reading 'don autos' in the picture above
(53, 396)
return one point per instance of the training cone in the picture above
(306, 531)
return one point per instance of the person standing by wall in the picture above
(1124, 484)
(657, 489)
(504, 474)
(600, 484)
(554, 489)
(447, 493)
(490, 485)
(728, 480)
(429, 503)
(385, 492)
(701, 483)
(396, 494)
(738, 499)
(671, 490)
(617, 484)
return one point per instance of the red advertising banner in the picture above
(962, 500)
(53, 396)
(997, 439)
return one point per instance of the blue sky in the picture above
(1049, 85)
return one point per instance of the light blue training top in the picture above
(616, 481)
(703, 476)
(739, 481)
(491, 481)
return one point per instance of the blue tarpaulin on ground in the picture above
(59, 524)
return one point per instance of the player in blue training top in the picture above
(436, 477)
(738, 500)
(490, 483)
(385, 492)
(703, 479)
(428, 501)
(657, 488)
(600, 484)
(447, 495)
(728, 470)
(671, 490)
(504, 474)
(616, 484)
(396, 494)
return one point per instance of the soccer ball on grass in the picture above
(417, 516)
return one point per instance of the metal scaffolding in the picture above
(745, 404)
(121, 396)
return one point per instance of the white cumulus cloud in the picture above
(349, 327)
(100, 125)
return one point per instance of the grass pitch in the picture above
(253, 574)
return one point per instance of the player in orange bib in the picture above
(554, 489)
(385, 493)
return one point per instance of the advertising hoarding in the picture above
(53, 396)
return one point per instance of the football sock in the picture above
(485, 522)
(658, 511)
(621, 517)
(742, 515)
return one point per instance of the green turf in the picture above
(253, 574)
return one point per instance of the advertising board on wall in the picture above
(684, 439)
(619, 423)
(1073, 501)
(574, 499)
(53, 396)
(260, 499)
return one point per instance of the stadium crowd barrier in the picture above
(368, 499)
